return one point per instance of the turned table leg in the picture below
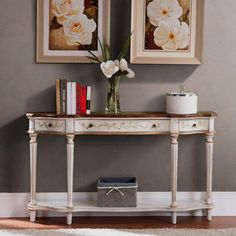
(33, 171)
(209, 160)
(70, 167)
(174, 173)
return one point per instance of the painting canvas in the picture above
(68, 28)
(167, 25)
(167, 31)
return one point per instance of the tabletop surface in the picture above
(156, 114)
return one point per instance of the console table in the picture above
(146, 123)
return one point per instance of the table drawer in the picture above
(50, 125)
(122, 126)
(193, 125)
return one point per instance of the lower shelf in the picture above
(148, 205)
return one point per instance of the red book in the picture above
(83, 100)
(78, 100)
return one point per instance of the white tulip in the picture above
(130, 74)
(123, 65)
(117, 63)
(171, 35)
(78, 30)
(62, 9)
(109, 68)
(162, 10)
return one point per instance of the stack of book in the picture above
(72, 98)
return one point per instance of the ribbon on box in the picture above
(117, 189)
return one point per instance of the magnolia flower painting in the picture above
(68, 29)
(73, 24)
(167, 26)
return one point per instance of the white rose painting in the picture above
(68, 29)
(167, 25)
(73, 24)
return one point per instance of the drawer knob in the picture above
(154, 126)
(194, 125)
(50, 125)
(90, 126)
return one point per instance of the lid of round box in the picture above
(182, 94)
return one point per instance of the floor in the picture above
(119, 222)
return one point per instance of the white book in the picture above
(68, 100)
(73, 98)
(88, 100)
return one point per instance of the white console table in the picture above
(147, 123)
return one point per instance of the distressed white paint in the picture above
(33, 172)
(69, 126)
(47, 124)
(174, 174)
(209, 164)
(14, 204)
(174, 128)
(194, 124)
(70, 168)
(211, 126)
(81, 125)
(130, 126)
(120, 125)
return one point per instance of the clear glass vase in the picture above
(113, 96)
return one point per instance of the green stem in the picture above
(113, 97)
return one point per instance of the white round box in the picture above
(181, 103)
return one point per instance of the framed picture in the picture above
(167, 31)
(66, 29)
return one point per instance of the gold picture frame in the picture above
(54, 42)
(147, 48)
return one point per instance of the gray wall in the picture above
(26, 86)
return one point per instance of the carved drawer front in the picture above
(50, 125)
(193, 125)
(123, 126)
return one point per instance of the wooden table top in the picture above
(153, 114)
